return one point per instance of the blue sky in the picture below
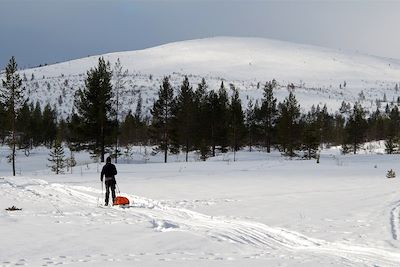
(49, 31)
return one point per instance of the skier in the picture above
(109, 171)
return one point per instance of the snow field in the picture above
(263, 210)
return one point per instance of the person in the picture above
(108, 172)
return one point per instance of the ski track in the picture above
(169, 218)
(395, 221)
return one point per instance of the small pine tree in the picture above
(391, 174)
(57, 158)
(390, 146)
(345, 149)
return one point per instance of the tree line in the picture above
(186, 119)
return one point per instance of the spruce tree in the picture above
(376, 125)
(288, 125)
(49, 124)
(3, 122)
(250, 123)
(201, 120)
(356, 127)
(11, 96)
(267, 113)
(393, 125)
(222, 115)
(56, 159)
(36, 125)
(310, 134)
(70, 162)
(183, 121)
(128, 130)
(237, 128)
(212, 114)
(23, 121)
(94, 106)
(162, 116)
(338, 129)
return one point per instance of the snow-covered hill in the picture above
(320, 75)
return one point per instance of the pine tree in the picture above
(74, 134)
(267, 113)
(250, 122)
(162, 116)
(3, 122)
(356, 127)
(391, 145)
(393, 125)
(22, 126)
(376, 125)
(49, 124)
(70, 162)
(183, 123)
(202, 123)
(288, 125)
(11, 96)
(310, 134)
(236, 122)
(95, 107)
(128, 130)
(338, 129)
(56, 159)
(222, 116)
(36, 124)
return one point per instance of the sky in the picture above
(49, 31)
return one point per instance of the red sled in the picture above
(121, 201)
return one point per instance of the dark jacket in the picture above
(109, 171)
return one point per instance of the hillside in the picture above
(319, 74)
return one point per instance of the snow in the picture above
(318, 73)
(262, 210)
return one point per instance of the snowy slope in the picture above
(318, 73)
(262, 210)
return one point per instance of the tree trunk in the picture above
(250, 141)
(187, 150)
(117, 124)
(102, 143)
(13, 141)
(13, 154)
(165, 153)
(213, 141)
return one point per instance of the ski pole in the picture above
(102, 194)
(119, 191)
